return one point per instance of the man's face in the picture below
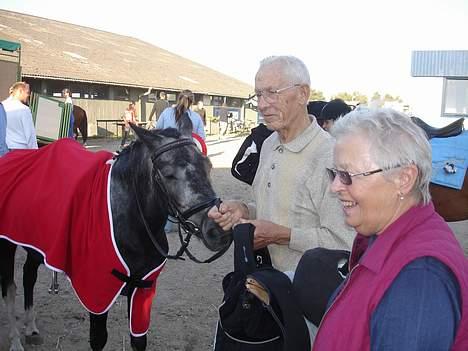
(281, 109)
(24, 94)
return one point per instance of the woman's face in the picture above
(371, 202)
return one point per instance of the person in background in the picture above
(171, 116)
(158, 107)
(408, 286)
(201, 111)
(3, 125)
(128, 117)
(294, 210)
(66, 93)
(331, 112)
(223, 119)
(20, 131)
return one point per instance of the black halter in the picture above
(183, 218)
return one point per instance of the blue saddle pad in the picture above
(453, 150)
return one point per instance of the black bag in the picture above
(245, 163)
(259, 310)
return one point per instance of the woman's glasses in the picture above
(346, 177)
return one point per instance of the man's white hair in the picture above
(293, 68)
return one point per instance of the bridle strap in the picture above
(188, 227)
(172, 145)
(195, 209)
(148, 230)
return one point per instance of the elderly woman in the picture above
(408, 285)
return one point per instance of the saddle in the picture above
(453, 129)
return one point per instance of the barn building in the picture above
(105, 70)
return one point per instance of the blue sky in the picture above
(359, 45)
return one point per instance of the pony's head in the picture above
(181, 177)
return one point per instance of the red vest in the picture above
(56, 200)
(417, 233)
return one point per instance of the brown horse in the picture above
(451, 204)
(81, 123)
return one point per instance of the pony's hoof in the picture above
(34, 339)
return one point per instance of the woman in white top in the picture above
(171, 117)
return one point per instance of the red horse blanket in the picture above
(56, 200)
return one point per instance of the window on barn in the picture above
(217, 100)
(171, 98)
(198, 97)
(455, 98)
(121, 93)
(234, 102)
(207, 100)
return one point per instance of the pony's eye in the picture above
(168, 172)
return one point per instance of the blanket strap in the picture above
(131, 281)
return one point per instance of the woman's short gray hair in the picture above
(395, 141)
(293, 68)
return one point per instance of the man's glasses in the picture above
(271, 96)
(347, 178)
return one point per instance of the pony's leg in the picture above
(138, 343)
(97, 331)
(75, 132)
(7, 265)
(29, 280)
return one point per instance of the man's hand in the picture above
(267, 233)
(229, 213)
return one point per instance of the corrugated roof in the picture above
(439, 63)
(58, 50)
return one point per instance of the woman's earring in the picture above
(400, 194)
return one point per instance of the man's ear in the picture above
(407, 178)
(304, 94)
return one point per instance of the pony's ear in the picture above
(146, 136)
(185, 125)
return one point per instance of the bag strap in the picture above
(244, 259)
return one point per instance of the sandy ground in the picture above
(185, 310)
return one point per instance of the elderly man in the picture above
(295, 210)
(20, 131)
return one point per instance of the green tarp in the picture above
(9, 45)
